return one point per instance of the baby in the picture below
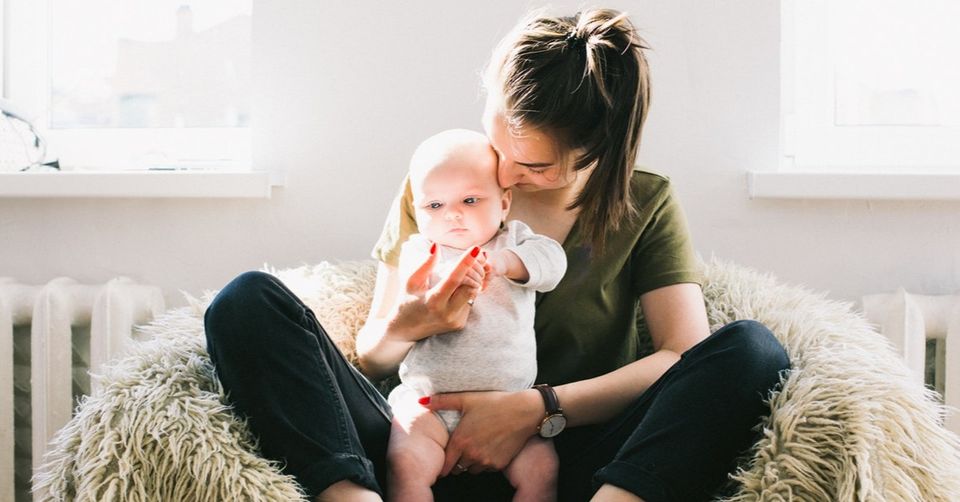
(459, 205)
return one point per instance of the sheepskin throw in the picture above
(848, 424)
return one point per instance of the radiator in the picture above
(926, 331)
(51, 336)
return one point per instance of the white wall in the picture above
(345, 90)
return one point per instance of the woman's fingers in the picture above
(447, 401)
(477, 469)
(448, 286)
(419, 280)
(465, 295)
(494, 426)
(452, 453)
(450, 301)
(477, 275)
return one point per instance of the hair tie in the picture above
(573, 40)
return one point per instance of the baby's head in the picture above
(456, 197)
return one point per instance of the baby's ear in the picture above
(506, 200)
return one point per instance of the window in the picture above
(870, 86)
(134, 84)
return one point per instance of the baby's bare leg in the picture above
(415, 453)
(533, 472)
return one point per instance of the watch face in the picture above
(552, 425)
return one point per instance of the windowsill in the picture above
(139, 184)
(862, 186)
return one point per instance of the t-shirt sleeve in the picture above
(664, 252)
(543, 257)
(401, 223)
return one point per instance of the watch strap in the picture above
(550, 401)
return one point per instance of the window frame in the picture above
(26, 82)
(813, 142)
(800, 175)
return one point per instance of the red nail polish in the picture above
(425, 400)
(475, 251)
(433, 248)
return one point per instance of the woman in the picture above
(566, 102)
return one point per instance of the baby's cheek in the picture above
(429, 229)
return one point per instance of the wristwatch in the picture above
(553, 421)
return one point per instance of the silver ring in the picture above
(459, 467)
(469, 302)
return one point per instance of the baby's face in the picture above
(459, 202)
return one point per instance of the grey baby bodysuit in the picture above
(497, 348)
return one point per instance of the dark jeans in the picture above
(325, 422)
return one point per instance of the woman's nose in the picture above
(507, 174)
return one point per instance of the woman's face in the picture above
(529, 161)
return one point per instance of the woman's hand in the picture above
(469, 271)
(406, 309)
(426, 311)
(493, 428)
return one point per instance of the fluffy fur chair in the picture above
(847, 425)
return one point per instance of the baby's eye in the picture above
(434, 205)
(471, 200)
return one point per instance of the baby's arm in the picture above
(506, 263)
(533, 260)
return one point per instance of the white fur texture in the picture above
(847, 425)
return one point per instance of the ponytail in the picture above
(585, 80)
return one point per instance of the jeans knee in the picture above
(249, 284)
(237, 304)
(756, 352)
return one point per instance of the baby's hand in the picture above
(494, 266)
(505, 263)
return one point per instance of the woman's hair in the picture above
(584, 80)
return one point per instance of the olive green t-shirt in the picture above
(587, 326)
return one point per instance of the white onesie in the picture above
(497, 350)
